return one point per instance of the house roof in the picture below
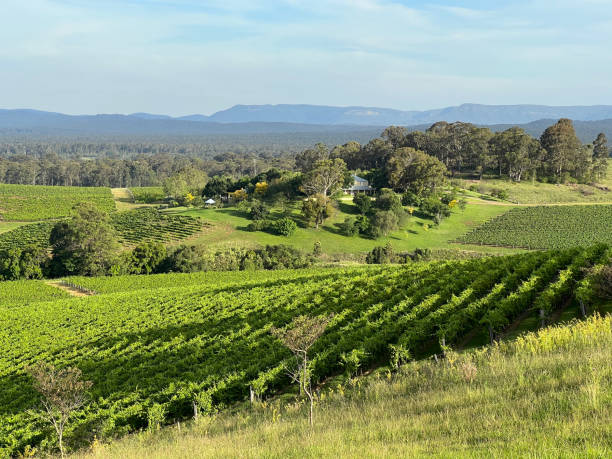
(359, 179)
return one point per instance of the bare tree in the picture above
(299, 337)
(63, 391)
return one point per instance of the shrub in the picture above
(363, 203)
(284, 227)
(381, 255)
(382, 223)
(259, 211)
(259, 225)
(499, 193)
(411, 199)
(349, 227)
(435, 208)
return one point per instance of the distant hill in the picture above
(298, 123)
(472, 113)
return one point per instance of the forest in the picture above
(464, 148)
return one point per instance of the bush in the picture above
(603, 282)
(283, 257)
(435, 208)
(363, 203)
(499, 193)
(259, 225)
(389, 200)
(259, 211)
(147, 258)
(284, 227)
(411, 199)
(381, 255)
(349, 227)
(382, 223)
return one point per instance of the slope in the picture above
(161, 349)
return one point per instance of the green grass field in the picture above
(547, 395)
(527, 192)
(229, 230)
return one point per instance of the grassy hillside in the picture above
(546, 395)
(34, 203)
(527, 192)
(228, 228)
(161, 349)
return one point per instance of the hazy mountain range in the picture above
(364, 122)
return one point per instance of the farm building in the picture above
(360, 185)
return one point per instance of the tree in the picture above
(63, 391)
(478, 153)
(601, 154)
(381, 255)
(325, 177)
(217, 186)
(436, 208)
(85, 244)
(395, 135)
(284, 227)
(259, 211)
(414, 170)
(349, 227)
(449, 142)
(363, 203)
(561, 146)
(375, 153)
(299, 337)
(317, 209)
(147, 258)
(382, 223)
(308, 159)
(517, 152)
(184, 182)
(350, 153)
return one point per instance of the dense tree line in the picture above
(143, 170)
(393, 160)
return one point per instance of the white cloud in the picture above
(199, 56)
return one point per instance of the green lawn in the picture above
(229, 229)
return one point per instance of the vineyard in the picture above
(549, 227)
(163, 349)
(149, 224)
(22, 293)
(34, 203)
(132, 226)
(208, 279)
(32, 234)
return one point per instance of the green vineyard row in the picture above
(133, 227)
(170, 344)
(546, 227)
(33, 203)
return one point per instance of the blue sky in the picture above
(189, 56)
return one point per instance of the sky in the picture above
(189, 56)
